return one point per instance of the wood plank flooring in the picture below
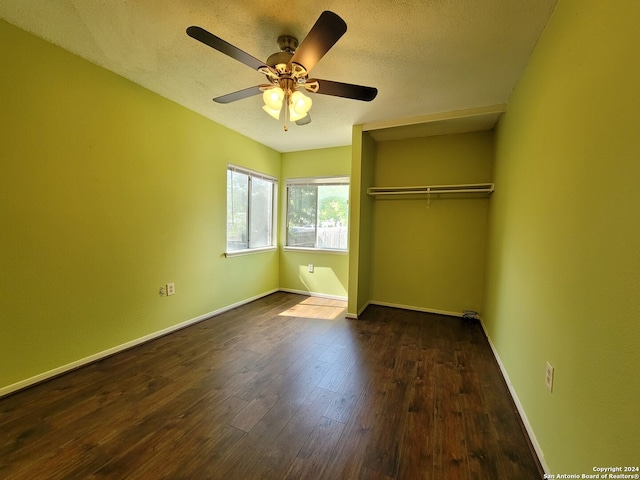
(282, 388)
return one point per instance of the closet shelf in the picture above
(486, 188)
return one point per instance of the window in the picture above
(318, 213)
(250, 209)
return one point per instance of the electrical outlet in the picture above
(548, 378)
(311, 268)
(171, 289)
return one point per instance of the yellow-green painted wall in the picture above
(564, 252)
(331, 270)
(361, 215)
(365, 221)
(431, 256)
(107, 192)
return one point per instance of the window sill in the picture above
(315, 250)
(249, 251)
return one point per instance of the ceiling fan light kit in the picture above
(297, 104)
(287, 71)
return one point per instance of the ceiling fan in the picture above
(287, 71)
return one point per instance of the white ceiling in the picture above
(426, 57)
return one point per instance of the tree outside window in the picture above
(318, 213)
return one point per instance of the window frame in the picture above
(315, 182)
(253, 174)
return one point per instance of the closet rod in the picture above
(432, 189)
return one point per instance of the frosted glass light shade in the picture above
(293, 116)
(274, 113)
(273, 98)
(299, 106)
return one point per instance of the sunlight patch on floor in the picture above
(316, 307)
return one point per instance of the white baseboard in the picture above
(417, 309)
(120, 348)
(313, 294)
(404, 307)
(364, 307)
(355, 316)
(516, 400)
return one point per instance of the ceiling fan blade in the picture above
(239, 95)
(323, 35)
(339, 89)
(306, 120)
(223, 46)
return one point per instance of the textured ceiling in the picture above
(425, 57)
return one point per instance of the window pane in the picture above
(261, 213)
(301, 216)
(333, 216)
(237, 210)
(317, 214)
(250, 209)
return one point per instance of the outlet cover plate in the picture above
(548, 378)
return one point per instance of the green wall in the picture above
(564, 257)
(331, 270)
(365, 223)
(361, 214)
(431, 255)
(107, 192)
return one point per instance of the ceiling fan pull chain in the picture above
(286, 110)
(286, 129)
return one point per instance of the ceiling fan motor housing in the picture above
(279, 58)
(281, 61)
(287, 43)
(288, 75)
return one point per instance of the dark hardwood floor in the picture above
(282, 388)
